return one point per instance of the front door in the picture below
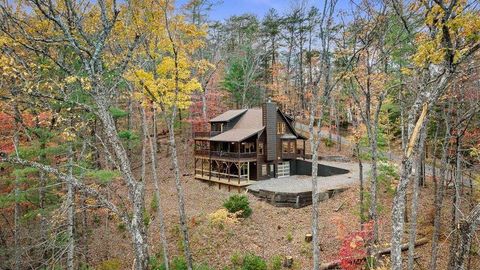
(283, 169)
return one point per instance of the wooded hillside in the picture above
(100, 100)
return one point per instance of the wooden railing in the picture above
(223, 154)
(301, 154)
(222, 176)
(288, 155)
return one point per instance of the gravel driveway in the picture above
(303, 183)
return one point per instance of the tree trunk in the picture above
(439, 194)
(398, 209)
(456, 202)
(135, 189)
(180, 195)
(416, 187)
(372, 212)
(360, 177)
(153, 155)
(204, 104)
(337, 128)
(70, 214)
(466, 229)
(315, 204)
(16, 224)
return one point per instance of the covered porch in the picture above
(238, 173)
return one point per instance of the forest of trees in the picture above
(99, 100)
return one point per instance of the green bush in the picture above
(236, 203)
(112, 264)
(178, 263)
(253, 262)
(275, 263)
(328, 142)
(236, 260)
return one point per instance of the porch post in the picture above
(228, 170)
(304, 150)
(203, 160)
(239, 171)
(248, 170)
(210, 171)
(195, 166)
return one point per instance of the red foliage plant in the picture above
(215, 106)
(7, 127)
(7, 124)
(353, 249)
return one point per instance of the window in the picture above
(292, 147)
(264, 169)
(260, 148)
(284, 147)
(280, 127)
(248, 148)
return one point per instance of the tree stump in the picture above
(308, 237)
(288, 262)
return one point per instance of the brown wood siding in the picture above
(269, 120)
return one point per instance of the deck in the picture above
(226, 156)
(225, 181)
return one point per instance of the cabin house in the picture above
(248, 145)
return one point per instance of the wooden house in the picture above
(248, 145)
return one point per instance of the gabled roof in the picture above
(252, 119)
(228, 115)
(248, 125)
(289, 120)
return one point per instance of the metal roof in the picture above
(235, 135)
(228, 115)
(249, 124)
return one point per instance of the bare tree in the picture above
(318, 102)
(152, 141)
(90, 50)
(436, 77)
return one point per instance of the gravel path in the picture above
(303, 183)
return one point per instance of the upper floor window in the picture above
(260, 148)
(280, 127)
(285, 147)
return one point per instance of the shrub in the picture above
(353, 248)
(112, 264)
(275, 263)
(237, 203)
(221, 217)
(289, 236)
(328, 142)
(236, 260)
(179, 263)
(253, 262)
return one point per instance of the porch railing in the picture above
(220, 176)
(203, 152)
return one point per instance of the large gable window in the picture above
(280, 128)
